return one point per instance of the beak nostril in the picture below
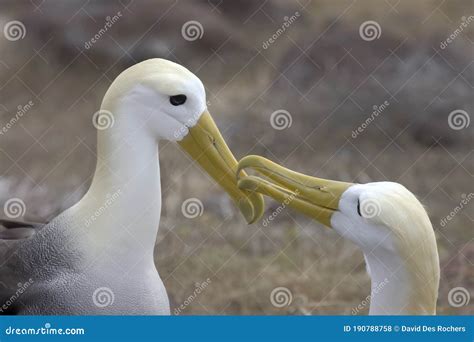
(212, 140)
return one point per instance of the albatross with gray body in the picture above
(78, 265)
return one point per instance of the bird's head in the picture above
(164, 97)
(380, 215)
(165, 101)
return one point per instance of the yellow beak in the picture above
(204, 143)
(314, 197)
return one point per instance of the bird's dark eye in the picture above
(358, 208)
(177, 100)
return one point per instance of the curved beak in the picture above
(205, 144)
(315, 197)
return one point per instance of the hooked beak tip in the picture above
(252, 209)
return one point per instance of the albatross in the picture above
(97, 256)
(384, 219)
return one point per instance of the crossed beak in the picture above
(205, 144)
(315, 197)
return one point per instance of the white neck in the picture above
(125, 189)
(394, 289)
(389, 292)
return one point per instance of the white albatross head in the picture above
(166, 97)
(384, 219)
(162, 100)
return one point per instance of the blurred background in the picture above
(352, 90)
